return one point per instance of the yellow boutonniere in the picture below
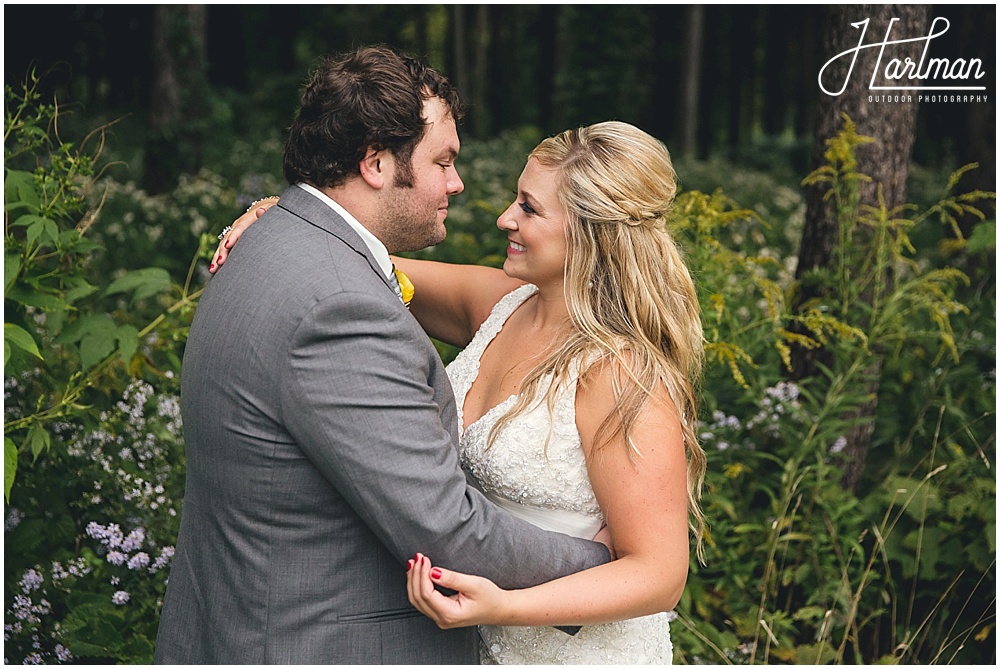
(405, 286)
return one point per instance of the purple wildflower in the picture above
(134, 540)
(31, 580)
(138, 561)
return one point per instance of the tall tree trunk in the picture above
(503, 71)
(716, 72)
(546, 68)
(979, 130)
(690, 88)
(174, 142)
(804, 54)
(420, 23)
(886, 160)
(778, 67)
(479, 109)
(460, 67)
(742, 36)
(740, 53)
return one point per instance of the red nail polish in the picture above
(219, 259)
(409, 565)
(435, 573)
(212, 266)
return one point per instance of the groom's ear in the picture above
(373, 168)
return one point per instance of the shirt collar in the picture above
(373, 243)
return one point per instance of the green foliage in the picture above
(91, 533)
(66, 334)
(81, 457)
(739, 292)
(799, 569)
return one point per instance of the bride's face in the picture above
(535, 224)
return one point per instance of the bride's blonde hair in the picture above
(630, 296)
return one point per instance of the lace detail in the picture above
(539, 477)
(643, 640)
(464, 370)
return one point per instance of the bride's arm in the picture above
(449, 301)
(645, 503)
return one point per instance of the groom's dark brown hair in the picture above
(371, 98)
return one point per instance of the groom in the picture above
(319, 423)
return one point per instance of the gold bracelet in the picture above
(263, 199)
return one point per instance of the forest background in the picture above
(843, 247)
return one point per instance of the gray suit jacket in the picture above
(321, 454)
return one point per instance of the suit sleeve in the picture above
(355, 396)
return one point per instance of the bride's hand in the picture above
(477, 601)
(239, 225)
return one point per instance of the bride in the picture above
(576, 399)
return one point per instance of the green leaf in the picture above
(11, 266)
(28, 537)
(99, 336)
(41, 230)
(83, 245)
(67, 238)
(143, 282)
(37, 299)
(809, 613)
(9, 466)
(77, 288)
(38, 440)
(92, 628)
(30, 220)
(128, 342)
(983, 237)
(19, 190)
(20, 338)
(816, 654)
(795, 536)
(95, 346)
(744, 528)
(84, 326)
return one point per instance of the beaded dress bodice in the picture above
(536, 470)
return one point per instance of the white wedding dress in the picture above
(550, 488)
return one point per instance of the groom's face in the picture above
(415, 214)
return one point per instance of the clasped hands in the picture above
(477, 600)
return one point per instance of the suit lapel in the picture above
(310, 209)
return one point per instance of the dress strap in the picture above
(501, 311)
(468, 359)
